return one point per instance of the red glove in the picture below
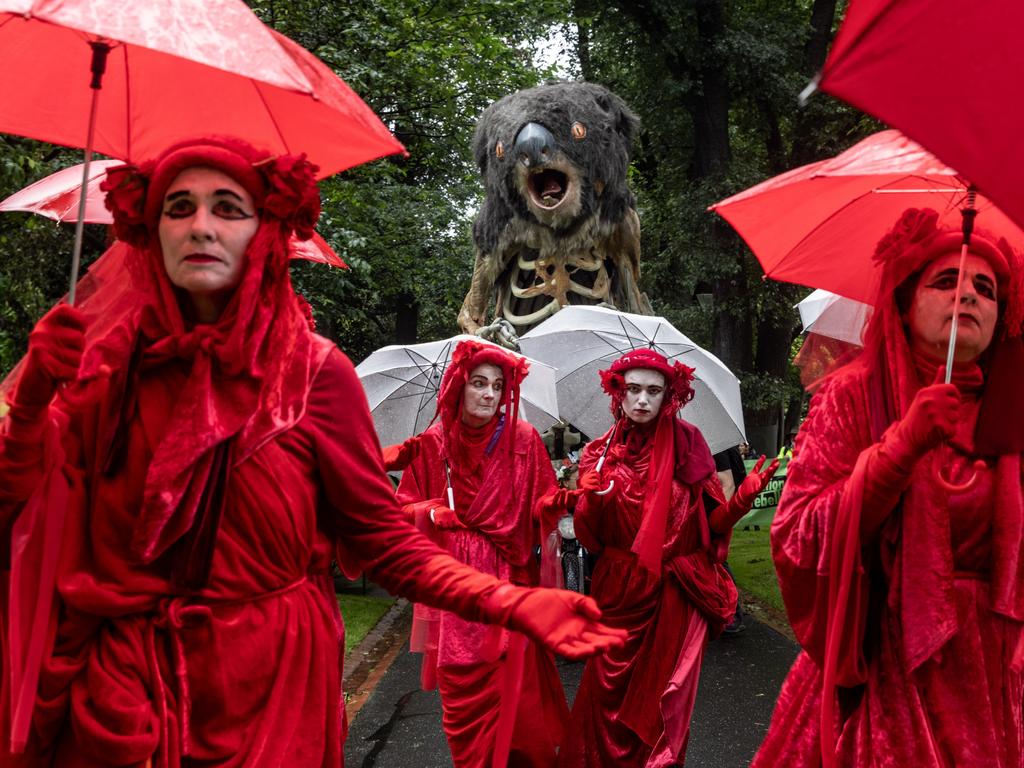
(553, 506)
(414, 511)
(55, 349)
(931, 418)
(400, 456)
(728, 514)
(566, 622)
(445, 519)
(598, 484)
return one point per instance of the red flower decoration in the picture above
(292, 194)
(126, 186)
(915, 225)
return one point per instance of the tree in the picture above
(715, 84)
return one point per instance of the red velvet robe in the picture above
(497, 506)
(634, 704)
(246, 672)
(931, 666)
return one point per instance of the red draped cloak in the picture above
(634, 704)
(247, 670)
(930, 670)
(494, 497)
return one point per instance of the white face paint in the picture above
(645, 392)
(931, 312)
(482, 394)
(206, 224)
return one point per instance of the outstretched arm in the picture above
(370, 529)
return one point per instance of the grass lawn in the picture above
(750, 559)
(361, 614)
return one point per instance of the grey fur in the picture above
(603, 155)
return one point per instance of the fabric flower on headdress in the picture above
(914, 226)
(125, 188)
(292, 194)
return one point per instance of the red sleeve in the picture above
(363, 515)
(586, 520)
(820, 483)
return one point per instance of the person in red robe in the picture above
(181, 460)
(477, 475)
(899, 537)
(653, 508)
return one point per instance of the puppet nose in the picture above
(534, 144)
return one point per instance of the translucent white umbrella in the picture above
(401, 383)
(829, 314)
(582, 340)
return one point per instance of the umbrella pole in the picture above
(968, 213)
(99, 66)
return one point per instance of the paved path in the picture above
(399, 726)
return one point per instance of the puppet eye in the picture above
(579, 131)
(499, 150)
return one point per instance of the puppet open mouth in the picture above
(548, 187)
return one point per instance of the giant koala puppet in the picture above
(557, 225)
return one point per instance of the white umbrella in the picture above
(829, 314)
(401, 383)
(582, 340)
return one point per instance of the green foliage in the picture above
(750, 559)
(35, 253)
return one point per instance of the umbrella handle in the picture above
(951, 487)
(606, 491)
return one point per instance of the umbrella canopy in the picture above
(401, 383)
(946, 74)
(818, 225)
(828, 314)
(56, 197)
(581, 340)
(176, 69)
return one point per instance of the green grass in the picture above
(750, 559)
(361, 614)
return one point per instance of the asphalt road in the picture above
(399, 726)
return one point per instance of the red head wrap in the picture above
(283, 188)
(467, 356)
(678, 379)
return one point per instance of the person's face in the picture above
(482, 394)
(205, 225)
(931, 311)
(645, 391)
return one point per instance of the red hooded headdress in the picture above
(249, 372)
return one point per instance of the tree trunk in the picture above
(407, 316)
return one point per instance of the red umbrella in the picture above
(818, 225)
(170, 69)
(57, 197)
(946, 74)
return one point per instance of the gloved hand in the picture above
(598, 484)
(566, 622)
(445, 519)
(414, 511)
(553, 506)
(727, 515)
(932, 417)
(400, 456)
(55, 349)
